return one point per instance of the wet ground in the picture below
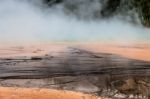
(77, 69)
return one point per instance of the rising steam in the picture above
(27, 21)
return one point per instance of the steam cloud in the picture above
(27, 21)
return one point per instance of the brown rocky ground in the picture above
(76, 69)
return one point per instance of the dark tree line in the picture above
(142, 7)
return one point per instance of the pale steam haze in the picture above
(25, 21)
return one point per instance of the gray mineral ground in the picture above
(76, 69)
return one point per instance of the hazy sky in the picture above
(23, 21)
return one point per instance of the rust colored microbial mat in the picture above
(25, 93)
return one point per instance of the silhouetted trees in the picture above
(143, 7)
(111, 7)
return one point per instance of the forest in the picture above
(113, 7)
